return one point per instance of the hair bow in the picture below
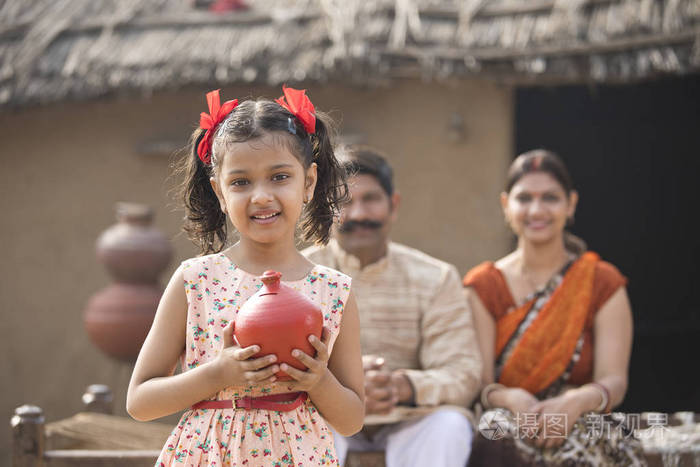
(299, 104)
(209, 121)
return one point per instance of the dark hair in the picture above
(205, 223)
(361, 159)
(542, 160)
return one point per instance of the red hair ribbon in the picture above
(299, 104)
(209, 121)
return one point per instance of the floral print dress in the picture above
(216, 289)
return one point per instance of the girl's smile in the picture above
(265, 217)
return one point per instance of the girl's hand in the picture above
(317, 367)
(235, 367)
(559, 414)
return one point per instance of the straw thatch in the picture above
(69, 49)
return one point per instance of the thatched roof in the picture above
(67, 49)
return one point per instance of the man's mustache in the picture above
(350, 226)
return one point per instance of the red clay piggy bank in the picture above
(279, 319)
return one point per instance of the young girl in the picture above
(262, 165)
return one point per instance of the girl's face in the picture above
(261, 187)
(537, 207)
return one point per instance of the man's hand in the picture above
(372, 362)
(381, 395)
(404, 388)
(384, 389)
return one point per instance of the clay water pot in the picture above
(118, 318)
(133, 250)
(279, 319)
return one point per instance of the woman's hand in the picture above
(235, 367)
(559, 414)
(517, 400)
(317, 366)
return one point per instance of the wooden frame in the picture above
(35, 444)
(29, 438)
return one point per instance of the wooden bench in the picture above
(93, 438)
(96, 438)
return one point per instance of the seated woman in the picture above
(555, 329)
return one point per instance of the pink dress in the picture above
(216, 289)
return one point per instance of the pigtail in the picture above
(205, 223)
(331, 187)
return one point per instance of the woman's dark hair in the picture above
(362, 159)
(205, 223)
(542, 160)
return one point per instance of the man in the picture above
(421, 358)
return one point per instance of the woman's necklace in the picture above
(536, 285)
(531, 283)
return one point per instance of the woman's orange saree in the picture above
(545, 348)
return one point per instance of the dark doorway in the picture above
(634, 153)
